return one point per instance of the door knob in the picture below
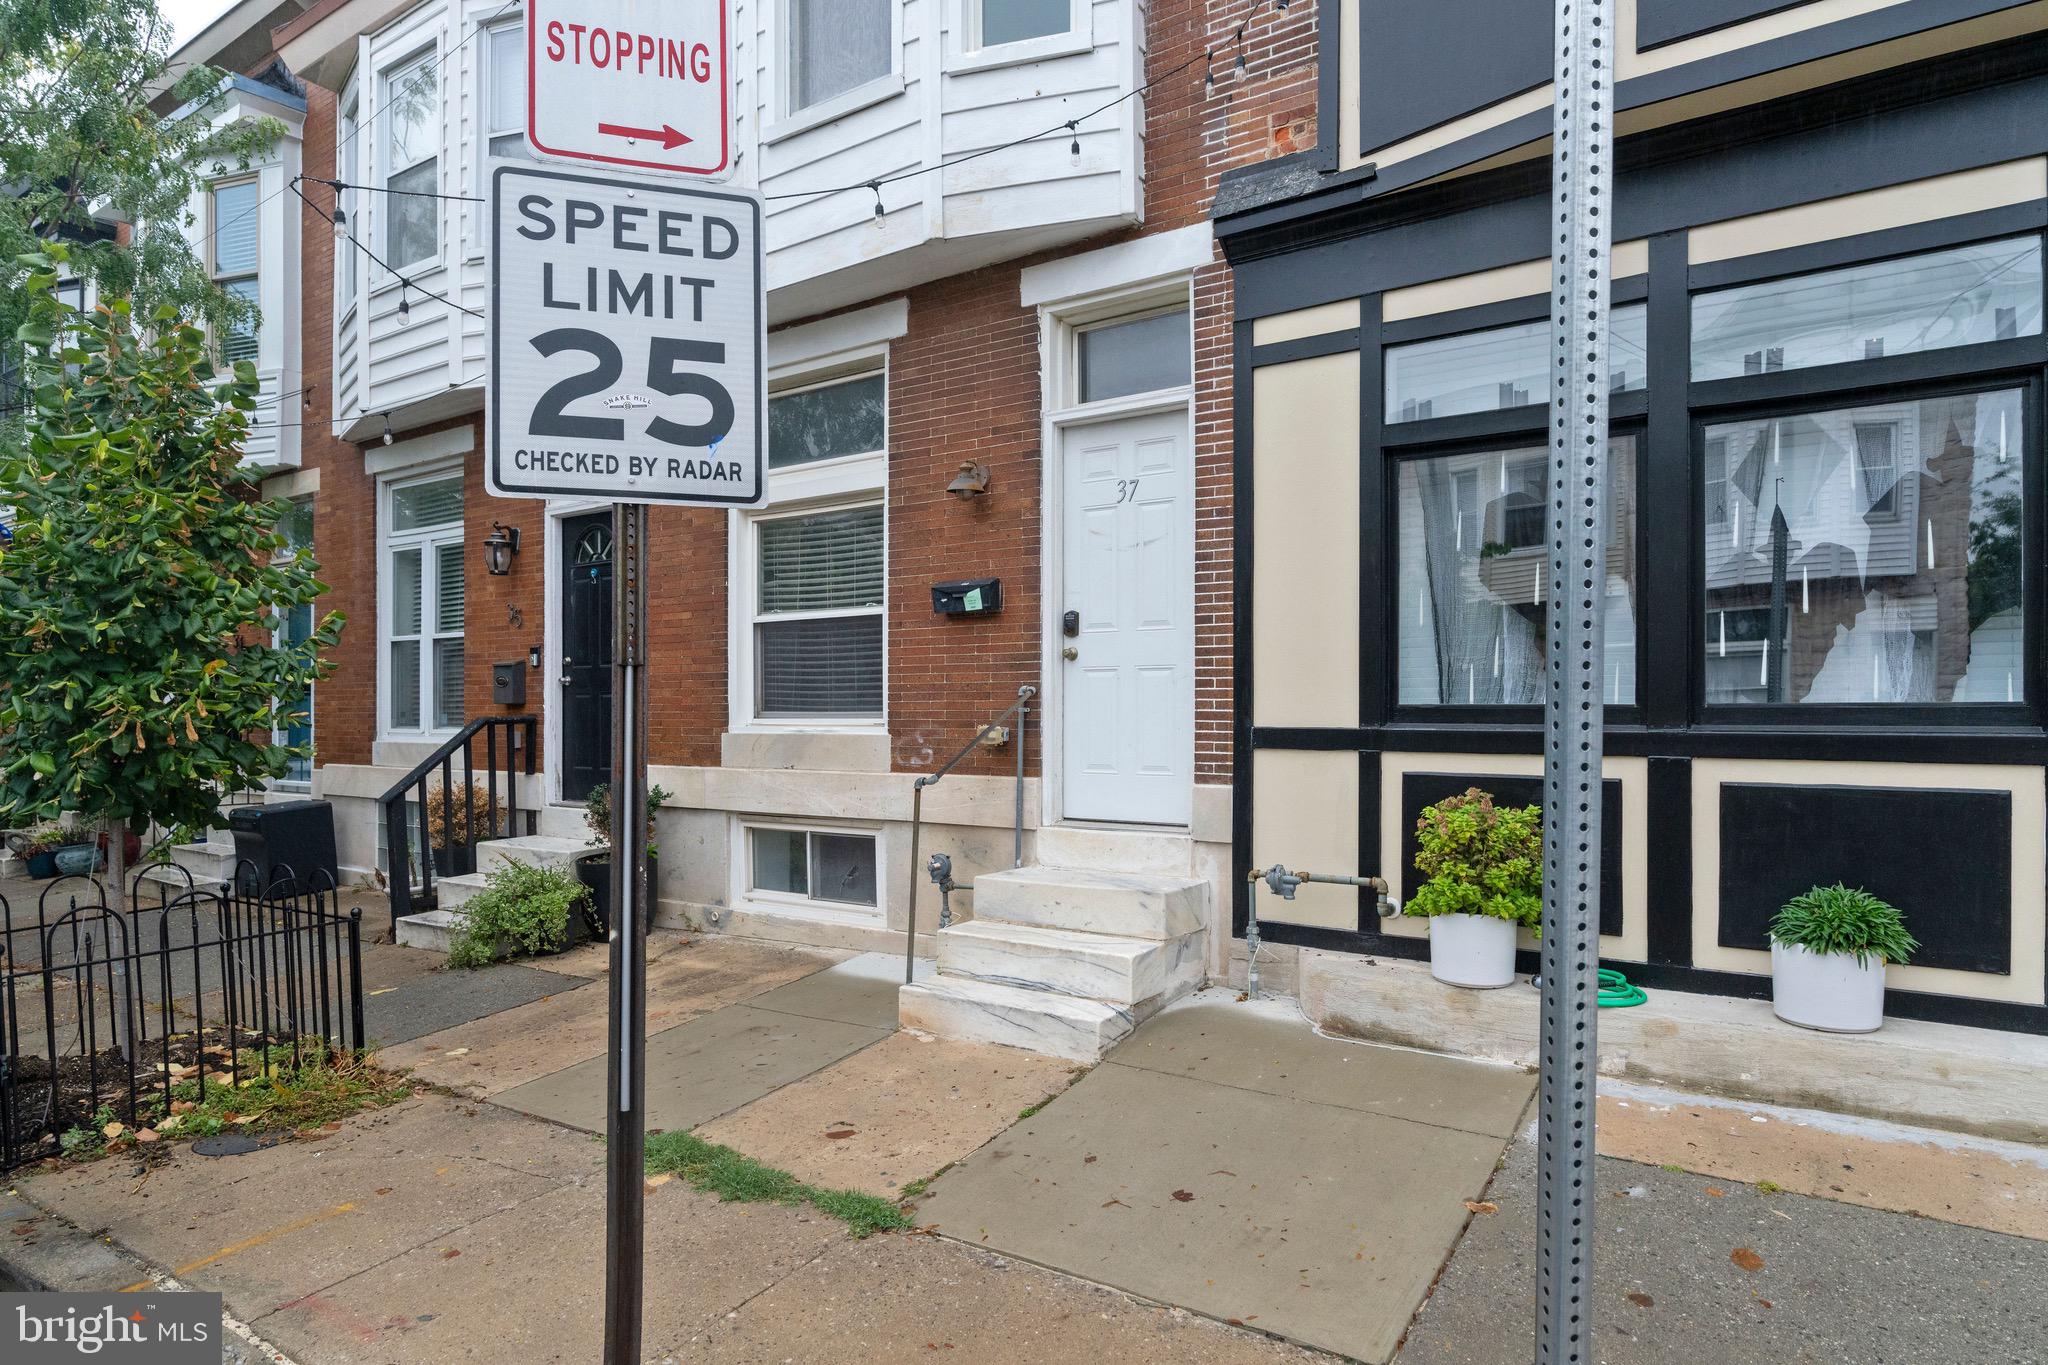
(1070, 653)
(566, 661)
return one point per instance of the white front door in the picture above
(1128, 669)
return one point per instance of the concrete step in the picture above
(984, 1012)
(209, 864)
(433, 930)
(1116, 850)
(452, 893)
(536, 850)
(1139, 974)
(1128, 904)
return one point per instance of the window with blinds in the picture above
(235, 264)
(425, 598)
(818, 614)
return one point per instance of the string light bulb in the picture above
(306, 398)
(1209, 72)
(880, 212)
(404, 307)
(387, 428)
(1074, 147)
(340, 219)
(1242, 72)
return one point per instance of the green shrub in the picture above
(1836, 919)
(1477, 858)
(597, 814)
(522, 907)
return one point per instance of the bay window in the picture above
(412, 218)
(504, 95)
(235, 266)
(836, 46)
(423, 575)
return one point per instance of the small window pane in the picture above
(1009, 21)
(1135, 357)
(825, 423)
(1869, 555)
(426, 504)
(831, 666)
(234, 228)
(1500, 368)
(843, 868)
(828, 562)
(448, 574)
(405, 684)
(836, 46)
(1474, 573)
(242, 339)
(448, 684)
(1990, 291)
(406, 610)
(296, 526)
(779, 861)
(507, 79)
(410, 114)
(412, 224)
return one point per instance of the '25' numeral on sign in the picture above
(666, 357)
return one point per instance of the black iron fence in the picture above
(464, 793)
(107, 1015)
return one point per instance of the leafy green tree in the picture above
(80, 144)
(141, 599)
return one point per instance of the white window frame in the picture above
(839, 484)
(348, 266)
(965, 50)
(486, 75)
(790, 119)
(744, 892)
(387, 83)
(254, 274)
(427, 541)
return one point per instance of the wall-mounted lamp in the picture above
(971, 482)
(499, 547)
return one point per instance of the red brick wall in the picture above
(345, 508)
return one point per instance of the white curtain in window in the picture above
(836, 46)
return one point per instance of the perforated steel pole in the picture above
(1582, 184)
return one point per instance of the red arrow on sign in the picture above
(668, 137)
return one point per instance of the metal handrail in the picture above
(1021, 709)
(520, 732)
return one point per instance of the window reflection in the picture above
(1474, 577)
(1866, 555)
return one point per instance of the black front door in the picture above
(586, 653)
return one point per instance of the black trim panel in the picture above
(1943, 857)
(1666, 21)
(1423, 63)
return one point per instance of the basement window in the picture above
(827, 866)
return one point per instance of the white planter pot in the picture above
(1827, 991)
(1477, 951)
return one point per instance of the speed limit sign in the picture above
(626, 340)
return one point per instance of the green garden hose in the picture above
(1618, 992)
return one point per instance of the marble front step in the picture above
(1140, 974)
(538, 850)
(1128, 904)
(209, 864)
(1116, 850)
(452, 893)
(433, 930)
(969, 1011)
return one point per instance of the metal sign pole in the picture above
(1582, 182)
(626, 1130)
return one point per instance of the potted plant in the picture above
(38, 850)
(1829, 947)
(523, 908)
(1482, 867)
(448, 825)
(595, 869)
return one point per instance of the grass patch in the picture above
(733, 1176)
(275, 1096)
(1768, 1187)
(1028, 1110)
(918, 1188)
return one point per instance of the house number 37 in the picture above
(1126, 490)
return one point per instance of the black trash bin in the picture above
(286, 839)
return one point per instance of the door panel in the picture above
(586, 676)
(1128, 716)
